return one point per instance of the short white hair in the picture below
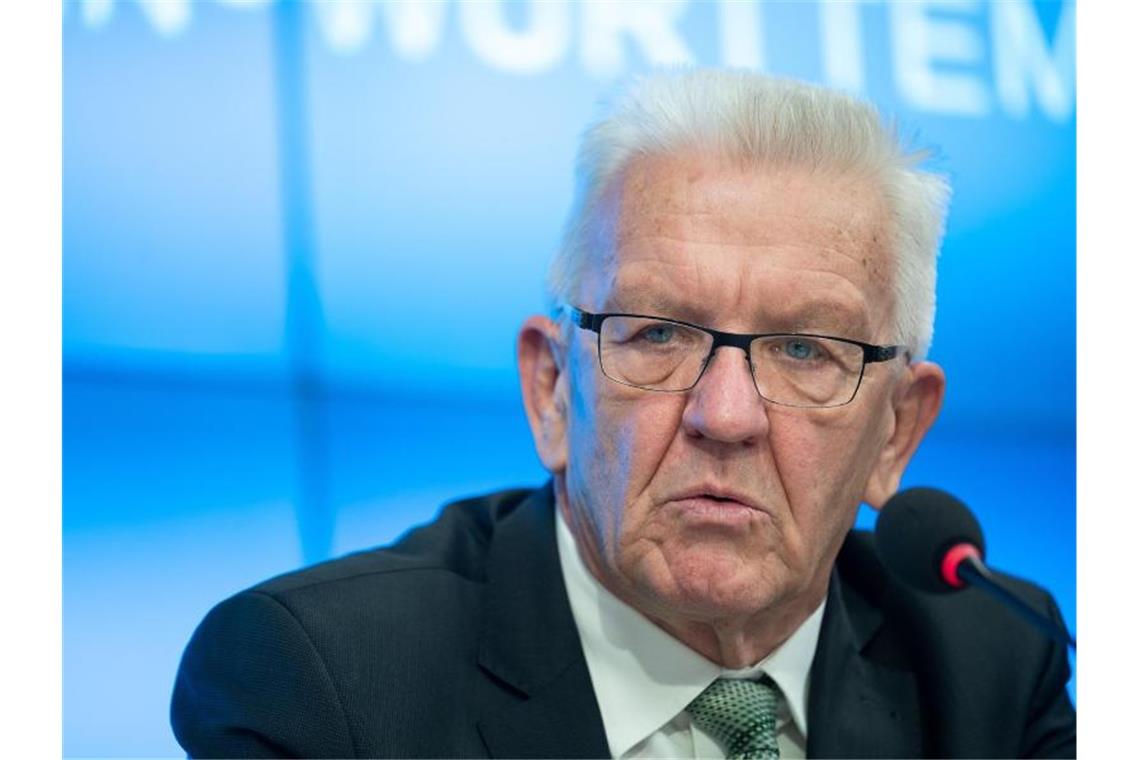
(763, 121)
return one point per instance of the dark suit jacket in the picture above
(458, 641)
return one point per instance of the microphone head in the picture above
(915, 530)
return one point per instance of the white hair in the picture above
(760, 120)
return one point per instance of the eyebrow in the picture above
(813, 316)
(660, 306)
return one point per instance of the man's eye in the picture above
(659, 334)
(797, 348)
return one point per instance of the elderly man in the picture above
(734, 361)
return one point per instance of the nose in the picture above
(725, 405)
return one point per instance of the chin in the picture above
(713, 586)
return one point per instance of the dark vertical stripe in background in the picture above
(303, 314)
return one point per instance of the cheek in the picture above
(622, 441)
(823, 461)
(597, 451)
(618, 439)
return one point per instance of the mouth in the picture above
(715, 504)
(719, 495)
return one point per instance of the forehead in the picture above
(743, 245)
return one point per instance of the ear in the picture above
(915, 404)
(541, 366)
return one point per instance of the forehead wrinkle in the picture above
(825, 244)
(814, 232)
(749, 264)
(692, 188)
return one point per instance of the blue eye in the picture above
(659, 333)
(800, 349)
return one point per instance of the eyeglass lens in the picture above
(793, 370)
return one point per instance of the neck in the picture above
(739, 642)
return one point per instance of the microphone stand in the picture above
(972, 571)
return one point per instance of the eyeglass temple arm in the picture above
(872, 354)
(585, 320)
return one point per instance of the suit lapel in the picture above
(858, 706)
(530, 642)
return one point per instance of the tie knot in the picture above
(741, 715)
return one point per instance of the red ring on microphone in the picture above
(954, 557)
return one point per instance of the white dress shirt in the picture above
(644, 678)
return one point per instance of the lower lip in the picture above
(705, 510)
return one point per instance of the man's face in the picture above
(714, 503)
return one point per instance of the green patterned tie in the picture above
(741, 716)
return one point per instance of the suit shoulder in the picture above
(454, 543)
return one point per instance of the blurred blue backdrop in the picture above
(280, 219)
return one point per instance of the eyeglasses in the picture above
(790, 369)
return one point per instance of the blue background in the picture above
(296, 252)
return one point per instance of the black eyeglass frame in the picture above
(872, 354)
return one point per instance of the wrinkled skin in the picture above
(714, 512)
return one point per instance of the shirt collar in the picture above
(643, 677)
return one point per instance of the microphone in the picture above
(930, 541)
